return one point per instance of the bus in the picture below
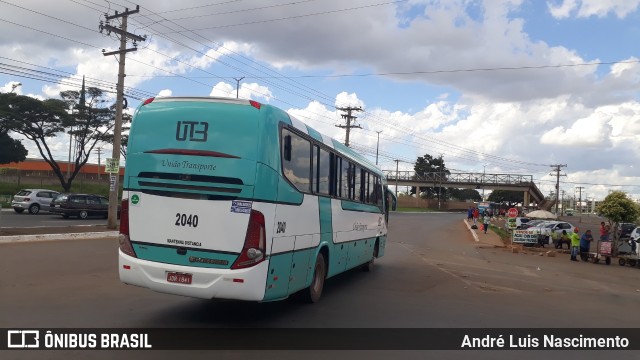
(235, 199)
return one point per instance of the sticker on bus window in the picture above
(243, 207)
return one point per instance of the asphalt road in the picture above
(8, 218)
(433, 275)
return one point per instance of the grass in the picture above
(504, 235)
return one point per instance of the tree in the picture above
(11, 150)
(618, 208)
(40, 121)
(465, 194)
(432, 170)
(506, 197)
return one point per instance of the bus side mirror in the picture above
(287, 148)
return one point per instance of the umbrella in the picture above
(541, 214)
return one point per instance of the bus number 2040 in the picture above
(186, 220)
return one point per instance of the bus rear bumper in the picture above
(243, 284)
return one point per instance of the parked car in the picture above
(635, 234)
(80, 205)
(32, 200)
(625, 229)
(546, 228)
(532, 223)
(519, 222)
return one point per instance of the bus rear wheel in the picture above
(369, 265)
(313, 293)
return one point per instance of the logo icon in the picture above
(21, 339)
(192, 131)
(135, 199)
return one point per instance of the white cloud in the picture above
(587, 8)
(165, 93)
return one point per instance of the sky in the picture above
(495, 86)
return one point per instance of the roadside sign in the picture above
(112, 183)
(112, 166)
(512, 213)
(525, 237)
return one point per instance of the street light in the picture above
(397, 162)
(484, 168)
(377, 146)
(238, 86)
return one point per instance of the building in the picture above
(38, 171)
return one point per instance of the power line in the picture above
(291, 17)
(236, 11)
(428, 72)
(402, 129)
(384, 122)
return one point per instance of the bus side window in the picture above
(357, 183)
(298, 168)
(347, 180)
(324, 171)
(287, 147)
(337, 176)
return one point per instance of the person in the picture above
(564, 238)
(585, 245)
(486, 221)
(575, 244)
(555, 237)
(470, 214)
(476, 215)
(604, 232)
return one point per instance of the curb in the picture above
(475, 236)
(47, 237)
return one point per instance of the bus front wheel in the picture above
(314, 291)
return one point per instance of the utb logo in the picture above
(192, 131)
(135, 199)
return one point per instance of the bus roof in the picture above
(335, 144)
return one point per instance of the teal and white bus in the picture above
(234, 199)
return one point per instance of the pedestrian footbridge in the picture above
(471, 180)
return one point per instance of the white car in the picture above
(635, 234)
(546, 228)
(32, 200)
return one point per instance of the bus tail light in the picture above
(253, 251)
(123, 238)
(255, 104)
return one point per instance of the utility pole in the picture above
(378, 146)
(117, 130)
(349, 117)
(562, 201)
(99, 151)
(580, 197)
(238, 86)
(556, 169)
(440, 178)
(397, 162)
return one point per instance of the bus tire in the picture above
(313, 293)
(369, 265)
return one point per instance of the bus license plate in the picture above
(179, 278)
